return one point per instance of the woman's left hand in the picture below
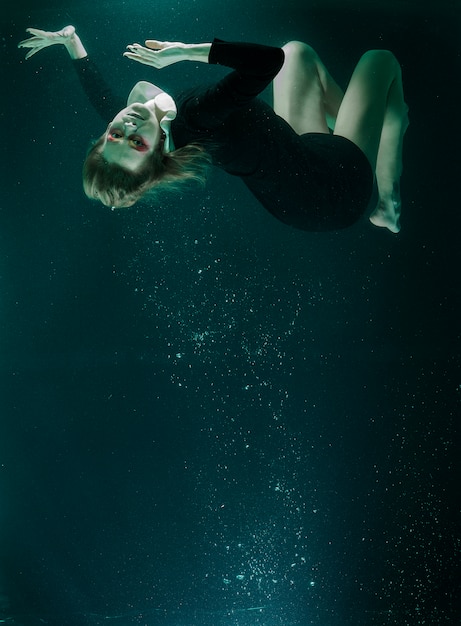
(160, 54)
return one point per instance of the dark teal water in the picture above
(208, 419)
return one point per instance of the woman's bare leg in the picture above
(305, 94)
(373, 115)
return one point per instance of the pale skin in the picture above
(371, 113)
(134, 133)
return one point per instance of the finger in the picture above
(145, 53)
(154, 44)
(32, 43)
(138, 55)
(31, 53)
(36, 31)
(139, 59)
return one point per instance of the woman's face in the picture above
(132, 137)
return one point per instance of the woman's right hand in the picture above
(42, 39)
(160, 54)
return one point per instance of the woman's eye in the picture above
(137, 142)
(115, 134)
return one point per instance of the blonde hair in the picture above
(118, 187)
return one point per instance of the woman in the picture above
(305, 174)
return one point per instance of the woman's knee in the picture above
(382, 58)
(299, 50)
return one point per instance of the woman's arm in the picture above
(247, 58)
(104, 101)
(160, 54)
(254, 66)
(99, 93)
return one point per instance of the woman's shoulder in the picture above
(183, 97)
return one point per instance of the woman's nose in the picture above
(129, 122)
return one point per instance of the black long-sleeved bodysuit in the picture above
(315, 181)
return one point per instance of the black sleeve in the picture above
(255, 66)
(101, 96)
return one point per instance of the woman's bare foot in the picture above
(387, 213)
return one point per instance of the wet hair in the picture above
(118, 187)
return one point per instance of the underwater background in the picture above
(208, 418)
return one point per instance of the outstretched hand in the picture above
(42, 39)
(158, 54)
